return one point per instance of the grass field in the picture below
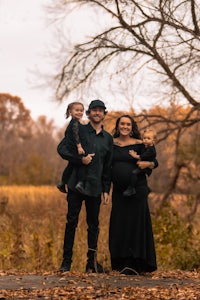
(32, 225)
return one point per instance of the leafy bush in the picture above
(177, 242)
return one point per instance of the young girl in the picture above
(74, 138)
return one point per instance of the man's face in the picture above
(97, 115)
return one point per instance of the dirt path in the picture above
(159, 285)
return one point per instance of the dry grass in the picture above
(32, 225)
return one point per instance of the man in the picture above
(96, 187)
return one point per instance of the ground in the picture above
(75, 285)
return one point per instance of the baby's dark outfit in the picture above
(147, 154)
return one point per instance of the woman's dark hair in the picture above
(70, 106)
(135, 131)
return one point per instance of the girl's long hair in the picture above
(135, 131)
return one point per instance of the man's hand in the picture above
(105, 198)
(86, 160)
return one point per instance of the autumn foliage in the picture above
(33, 211)
(32, 223)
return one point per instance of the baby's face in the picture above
(148, 139)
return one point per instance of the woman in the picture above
(131, 240)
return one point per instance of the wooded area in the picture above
(134, 50)
(145, 50)
(28, 153)
(157, 38)
(156, 41)
(28, 148)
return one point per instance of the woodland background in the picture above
(150, 49)
(33, 211)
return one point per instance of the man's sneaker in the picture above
(65, 266)
(129, 192)
(93, 267)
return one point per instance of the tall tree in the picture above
(155, 43)
(15, 119)
(160, 36)
(15, 127)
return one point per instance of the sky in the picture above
(24, 36)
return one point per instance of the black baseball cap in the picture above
(97, 103)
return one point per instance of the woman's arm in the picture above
(147, 164)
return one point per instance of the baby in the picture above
(147, 154)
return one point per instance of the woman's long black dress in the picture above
(131, 240)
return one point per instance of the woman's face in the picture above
(125, 126)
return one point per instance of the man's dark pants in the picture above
(92, 205)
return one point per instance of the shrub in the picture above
(177, 242)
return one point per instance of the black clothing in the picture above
(65, 175)
(74, 135)
(98, 180)
(92, 205)
(98, 171)
(147, 154)
(131, 240)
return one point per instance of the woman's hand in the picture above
(145, 164)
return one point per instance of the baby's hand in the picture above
(134, 154)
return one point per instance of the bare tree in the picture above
(154, 41)
(162, 35)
